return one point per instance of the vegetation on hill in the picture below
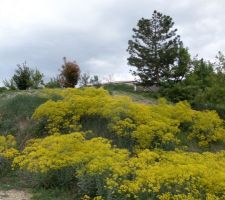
(159, 59)
(87, 144)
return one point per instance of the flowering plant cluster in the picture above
(146, 126)
(143, 153)
(119, 175)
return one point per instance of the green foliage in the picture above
(54, 83)
(16, 110)
(37, 79)
(95, 81)
(24, 78)
(52, 194)
(119, 87)
(182, 68)
(2, 89)
(157, 51)
(203, 87)
(220, 63)
(180, 92)
(202, 75)
(140, 95)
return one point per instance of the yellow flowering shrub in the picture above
(86, 197)
(53, 152)
(7, 152)
(155, 168)
(115, 173)
(93, 159)
(172, 175)
(207, 128)
(8, 147)
(147, 126)
(58, 151)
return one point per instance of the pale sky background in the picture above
(95, 32)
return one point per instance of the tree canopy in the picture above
(157, 51)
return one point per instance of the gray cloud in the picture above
(95, 33)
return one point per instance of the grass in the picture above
(16, 109)
(52, 194)
(18, 181)
(140, 95)
(14, 180)
(15, 115)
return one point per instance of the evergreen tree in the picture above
(155, 51)
(23, 77)
(202, 75)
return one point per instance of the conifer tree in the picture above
(155, 50)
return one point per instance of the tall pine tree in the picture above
(156, 51)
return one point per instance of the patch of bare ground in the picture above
(14, 195)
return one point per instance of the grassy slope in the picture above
(16, 109)
(127, 90)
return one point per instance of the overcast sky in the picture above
(95, 32)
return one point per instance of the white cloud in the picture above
(109, 66)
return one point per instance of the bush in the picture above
(53, 83)
(3, 89)
(153, 164)
(70, 74)
(110, 173)
(22, 77)
(128, 123)
(7, 152)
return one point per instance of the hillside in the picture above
(117, 144)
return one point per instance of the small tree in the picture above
(37, 79)
(202, 75)
(220, 63)
(23, 77)
(95, 81)
(84, 79)
(70, 73)
(10, 84)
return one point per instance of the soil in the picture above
(15, 195)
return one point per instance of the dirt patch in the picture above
(15, 195)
